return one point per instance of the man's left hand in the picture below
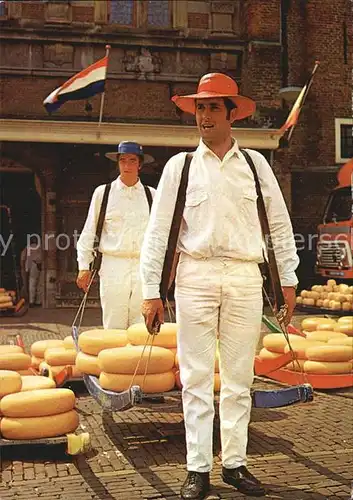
(289, 293)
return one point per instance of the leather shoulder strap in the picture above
(148, 196)
(101, 217)
(272, 263)
(175, 228)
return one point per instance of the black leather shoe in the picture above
(196, 486)
(243, 481)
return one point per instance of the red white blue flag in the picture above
(87, 83)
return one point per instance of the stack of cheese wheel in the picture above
(329, 296)
(13, 358)
(167, 337)
(34, 382)
(7, 299)
(92, 342)
(118, 367)
(38, 414)
(38, 349)
(217, 378)
(58, 358)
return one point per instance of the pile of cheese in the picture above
(7, 299)
(13, 358)
(154, 366)
(329, 296)
(327, 348)
(113, 356)
(55, 355)
(31, 407)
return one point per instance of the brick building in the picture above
(50, 165)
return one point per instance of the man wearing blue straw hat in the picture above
(125, 220)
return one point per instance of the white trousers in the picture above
(120, 291)
(33, 284)
(224, 296)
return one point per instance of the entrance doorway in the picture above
(20, 216)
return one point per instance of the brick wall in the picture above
(263, 19)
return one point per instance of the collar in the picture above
(234, 150)
(121, 185)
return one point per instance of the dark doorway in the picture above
(20, 216)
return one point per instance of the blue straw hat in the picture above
(129, 147)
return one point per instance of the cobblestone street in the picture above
(300, 452)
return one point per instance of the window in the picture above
(158, 14)
(2, 8)
(146, 14)
(121, 12)
(344, 139)
(339, 206)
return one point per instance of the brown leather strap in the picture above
(97, 254)
(175, 228)
(272, 263)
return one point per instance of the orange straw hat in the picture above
(217, 85)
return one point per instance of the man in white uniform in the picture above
(218, 282)
(124, 225)
(31, 261)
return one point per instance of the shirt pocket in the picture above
(248, 208)
(195, 198)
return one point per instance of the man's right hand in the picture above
(83, 279)
(152, 310)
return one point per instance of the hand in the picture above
(153, 311)
(289, 293)
(83, 279)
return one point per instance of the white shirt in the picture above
(124, 225)
(220, 218)
(33, 254)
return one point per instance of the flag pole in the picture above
(304, 97)
(107, 49)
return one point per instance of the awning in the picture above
(75, 132)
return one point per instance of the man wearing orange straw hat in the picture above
(218, 282)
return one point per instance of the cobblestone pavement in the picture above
(300, 452)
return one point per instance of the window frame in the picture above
(140, 16)
(338, 123)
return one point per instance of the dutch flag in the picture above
(85, 84)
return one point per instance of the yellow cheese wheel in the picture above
(346, 319)
(327, 367)
(56, 356)
(35, 362)
(39, 427)
(346, 328)
(9, 382)
(276, 342)
(125, 360)
(69, 342)
(38, 403)
(330, 353)
(327, 325)
(167, 337)
(94, 341)
(324, 335)
(76, 373)
(297, 365)
(87, 363)
(299, 347)
(30, 371)
(38, 348)
(341, 341)
(10, 348)
(14, 361)
(266, 354)
(156, 382)
(34, 382)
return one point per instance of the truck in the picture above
(334, 250)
